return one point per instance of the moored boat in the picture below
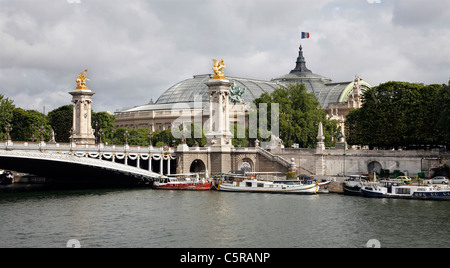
(6, 177)
(190, 181)
(399, 190)
(260, 186)
(324, 186)
(352, 185)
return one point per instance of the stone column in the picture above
(219, 137)
(319, 155)
(219, 134)
(82, 129)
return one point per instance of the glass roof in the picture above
(195, 89)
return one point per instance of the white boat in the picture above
(352, 185)
(399, 190)
(259, 186)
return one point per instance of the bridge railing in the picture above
(113, 153)
(67, 147)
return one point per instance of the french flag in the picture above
(305, 35)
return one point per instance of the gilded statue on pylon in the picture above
(81, 80)
(218, 69)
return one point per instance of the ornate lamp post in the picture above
(126, 135)
(341, 137)
(150, 136)
(8, 129)
(72, 131)
(100, 134)
(42, 131)
(96, 131)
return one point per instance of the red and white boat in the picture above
(190, 181)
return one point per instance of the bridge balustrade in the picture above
(153, 159)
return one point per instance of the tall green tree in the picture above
(61, 120)
(299, 116)
(397, 114)
(22, 125)
(104, 121)
(196, 135)
(137, 137)
(443, 108)
(6, 114)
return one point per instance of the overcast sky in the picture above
(135, 50)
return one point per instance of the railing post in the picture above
(150, 162)
(168, 166)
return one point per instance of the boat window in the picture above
(248, 184)
(403, 191)
(260, 184)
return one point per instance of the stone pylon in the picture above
(82, 102)
(219, 135)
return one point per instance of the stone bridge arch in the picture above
(374, 166)
(197, 166)
(247, 161)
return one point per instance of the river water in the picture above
(149, 218)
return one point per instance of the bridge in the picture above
(88, 164)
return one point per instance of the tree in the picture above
(6, 114)
(61, 120)
(443, 108)
(23, 121)
(163, 137)
(397, 114)
(195, 131)
(299, 116)
(136, 137)
(105, 122)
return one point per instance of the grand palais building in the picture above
(183, 98)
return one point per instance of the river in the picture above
(129, 218)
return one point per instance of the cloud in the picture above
(421, 14)
(135, 50)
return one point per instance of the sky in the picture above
(135, 50)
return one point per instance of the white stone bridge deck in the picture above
(87, 164)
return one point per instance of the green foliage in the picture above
(61, 121)
(241, 136)
(104, 121)
(6, 114)
(300, 114)
(138, 137)
(443, 111)
(163, 136)
(22, 122)
(397, 114)
(290, 175)
(195, 131)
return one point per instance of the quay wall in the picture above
(334, 162)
